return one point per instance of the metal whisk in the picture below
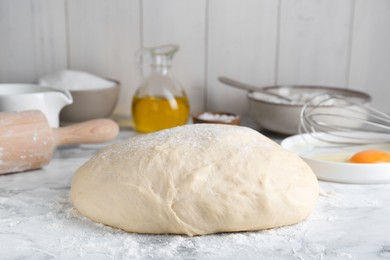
(340, 120)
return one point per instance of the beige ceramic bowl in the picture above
(216, 118)
(91, 104)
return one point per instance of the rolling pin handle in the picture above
(89, 132)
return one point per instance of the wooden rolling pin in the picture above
(27, 142)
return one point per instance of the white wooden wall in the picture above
(342, 43)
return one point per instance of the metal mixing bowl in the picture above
(283, 116)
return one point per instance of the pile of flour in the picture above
(75, 80)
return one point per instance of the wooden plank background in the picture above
(314, 42)
(32, 39)
(340, 43)
(242, 39)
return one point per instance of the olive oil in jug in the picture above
(160, 102)
(152, 113)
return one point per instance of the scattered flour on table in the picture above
(81, 237)
(62, 232)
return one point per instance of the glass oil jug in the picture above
(159, 102)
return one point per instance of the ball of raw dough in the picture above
(195, 180)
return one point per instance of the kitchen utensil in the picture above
(20, 97)
(27, 141)
(282, 116)
(329, 162)
(241, 85)
(160, 102)
(93, 96)
(349, 115)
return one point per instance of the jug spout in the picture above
(67, 97)
(56, 100)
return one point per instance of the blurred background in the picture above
(343, 43)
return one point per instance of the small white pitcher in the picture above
(20, 97)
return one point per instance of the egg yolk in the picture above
(370, 156)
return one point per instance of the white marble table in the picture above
(37, 221)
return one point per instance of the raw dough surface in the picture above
(195, 180)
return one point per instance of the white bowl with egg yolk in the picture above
(330, 163)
